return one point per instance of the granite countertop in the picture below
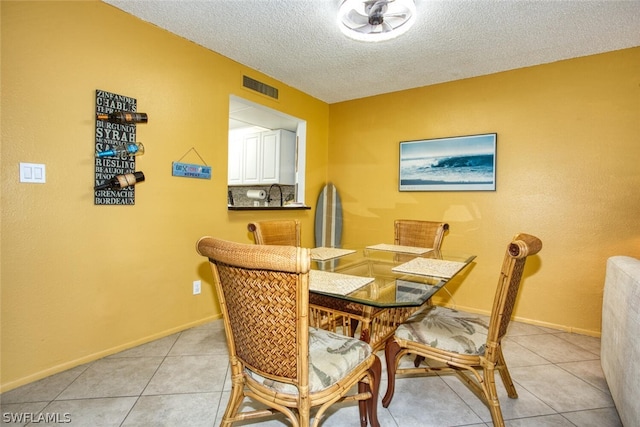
(268, 208)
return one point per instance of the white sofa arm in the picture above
(620, 343)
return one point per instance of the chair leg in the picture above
(376, 373)
(235, 400)
(501, 365)
(363, 407)
(370, 406)
(492, 397)
(391, 351)
(417, 361)
(354, 326)
(304, 414)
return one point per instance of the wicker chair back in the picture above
(423, 234)
(284, 232)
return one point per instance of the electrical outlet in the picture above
(197, 287)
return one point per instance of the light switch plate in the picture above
(32, 173)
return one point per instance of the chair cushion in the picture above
(331, 358)
(446, 329)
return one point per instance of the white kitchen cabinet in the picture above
(251, 152)
(263, 158)
(234, 174)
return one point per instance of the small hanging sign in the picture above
(190, 170)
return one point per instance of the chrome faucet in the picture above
(269, 193)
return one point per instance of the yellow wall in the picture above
(567, 171)
(80, 281)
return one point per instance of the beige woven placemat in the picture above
(322, 253)
(336, 283)
(399, 248)
(430, 267)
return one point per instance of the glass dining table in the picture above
(371, 291)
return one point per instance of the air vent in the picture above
(263, 88)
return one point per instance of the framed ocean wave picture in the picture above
(459, 163)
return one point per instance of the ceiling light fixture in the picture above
(376, 20)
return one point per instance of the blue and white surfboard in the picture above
(328, 227)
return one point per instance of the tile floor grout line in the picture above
(150, 379)
(582, 379)
(55, 398)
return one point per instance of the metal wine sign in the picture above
(116, 147)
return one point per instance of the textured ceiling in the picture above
(299, 43)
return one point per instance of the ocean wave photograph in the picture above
(457, 163)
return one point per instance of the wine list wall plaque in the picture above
(115, 138)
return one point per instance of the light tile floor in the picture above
(183, 380)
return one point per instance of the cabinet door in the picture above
(288, 158)
(234, 173)
(251, 166)
(270, 161)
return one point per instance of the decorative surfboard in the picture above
(328, 230)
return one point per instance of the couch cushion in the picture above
(446, 329)
(331, 358)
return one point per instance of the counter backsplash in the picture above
(237, 195)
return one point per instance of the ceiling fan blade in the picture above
(386, 27)
(394, 21)
(356, 18)
(373, 5)
(395, 15)
(366, 29)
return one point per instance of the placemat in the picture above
(399, 248)
(322, 253)
(430, 267)
(336, 283)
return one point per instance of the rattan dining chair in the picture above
(276, 358)
(423, 234)
(465, 343)
(284, 232)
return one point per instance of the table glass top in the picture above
(384, 275)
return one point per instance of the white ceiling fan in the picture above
(376, 20)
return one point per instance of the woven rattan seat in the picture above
(422, 234)
(284, 232)
(465, 343)
(276, 358)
